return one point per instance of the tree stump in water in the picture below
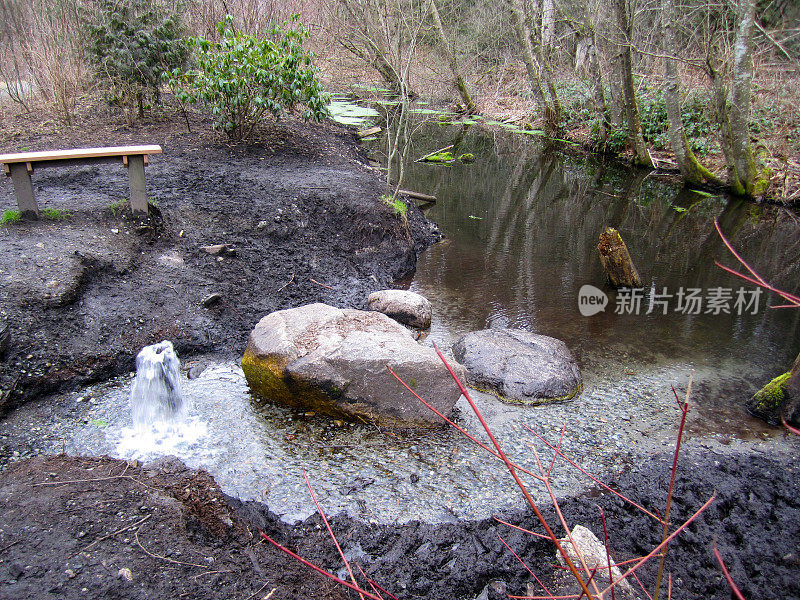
(617, 260)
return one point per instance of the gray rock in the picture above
(406, 307)
(593, 553)
(519, 366)
(333, 361)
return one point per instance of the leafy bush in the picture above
(131, 44)
(694, 114)
(243, 78)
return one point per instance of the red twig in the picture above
(794, 430)
(727, 575)
(658, 548)
(513, 472)
(557, 450)
(458, 427)
(595, 479)
(540, 535)
(607, 545)
(375, 587)
(319, 570)
(684, 411)
(330, 531)
(757, 279)
(522, 562)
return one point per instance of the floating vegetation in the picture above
(349, 113)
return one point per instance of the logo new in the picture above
(591, 300)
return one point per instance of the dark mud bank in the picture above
(754, 521)
(82, 294)
(101, 528)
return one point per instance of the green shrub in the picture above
(243, 78)
(131, 44)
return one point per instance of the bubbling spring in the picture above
(158, 411)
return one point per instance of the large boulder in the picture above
(408, 308)
(333, 361)
(519, 366)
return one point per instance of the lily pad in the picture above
(348, 113)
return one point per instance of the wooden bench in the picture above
(20, 166)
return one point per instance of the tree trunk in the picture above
(552, 111)
(598, 92)
(742, 175)
(449, 54)
(691, 169)
(635, 140)
(617, 260)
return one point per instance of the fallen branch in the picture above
(320, 284)
(280, 289)
(417, 195)
(105, 537)
(166, 558)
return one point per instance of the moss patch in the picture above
(768, 402)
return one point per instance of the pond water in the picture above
(521, 228)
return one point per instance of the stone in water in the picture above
(156, 393)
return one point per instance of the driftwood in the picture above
(417, 195)
(368, 132)
(616, 259)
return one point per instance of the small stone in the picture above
(115, 230)
(70, 574)
(211, 300)
(16, 570)
(219, 250)
(125, 574)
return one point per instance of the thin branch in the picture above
(319, 570)
(727, 575)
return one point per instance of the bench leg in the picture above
(24, 190)
(136, 177)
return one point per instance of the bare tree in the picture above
(450, 56)
(623, 28)
(550, 102)
(691, 169)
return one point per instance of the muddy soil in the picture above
(103, 528)
(83, 292)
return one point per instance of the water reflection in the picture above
(522, 225)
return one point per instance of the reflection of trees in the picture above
(534, 244)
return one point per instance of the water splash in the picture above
(160, 423)
(156, 393)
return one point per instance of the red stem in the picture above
(318, 569)
(330, 531)
(513, 472)
(593, 478)
(658, 548)
(608, 549)
(457, 427)
(727, 575)
(522, 562)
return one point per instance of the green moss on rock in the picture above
(768, 402)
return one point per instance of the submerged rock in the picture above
(333, 361)
(519, 366)
(408, 308)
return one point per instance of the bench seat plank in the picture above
(79, 153)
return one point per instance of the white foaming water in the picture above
(160, 425)
(156, 393)
(161, 439)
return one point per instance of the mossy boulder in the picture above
(333, 361)
(778, 400)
